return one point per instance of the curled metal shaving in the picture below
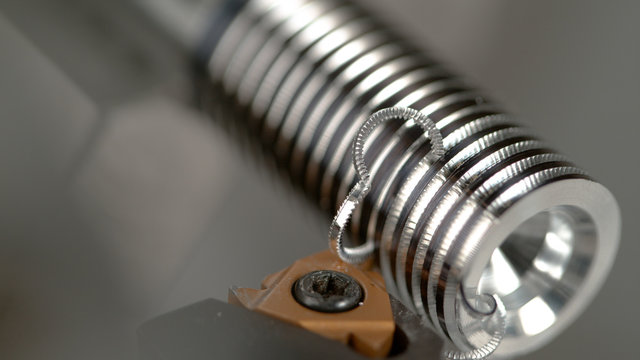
(482, 352)
(363, 252)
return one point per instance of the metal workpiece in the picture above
(499, 213)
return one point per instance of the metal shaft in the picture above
(500, 213)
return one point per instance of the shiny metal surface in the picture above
(499, 212)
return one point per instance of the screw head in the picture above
(327, 291)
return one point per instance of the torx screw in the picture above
(327, 291)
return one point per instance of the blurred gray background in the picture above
(119, 201)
